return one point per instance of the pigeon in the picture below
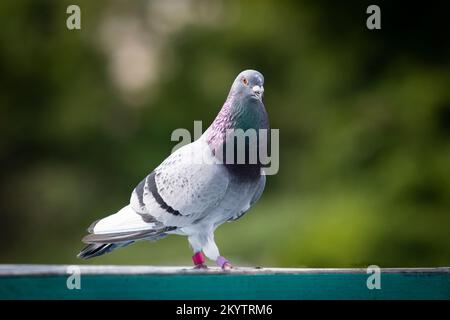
(198, 187)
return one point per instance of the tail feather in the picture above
(97, 244)
(127, 236)
(119, 230)
(95, 250)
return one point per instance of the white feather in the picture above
(125, 220)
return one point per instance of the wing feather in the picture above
(183, 187)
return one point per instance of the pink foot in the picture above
(227, 266)
(224, 263)
(199, 261)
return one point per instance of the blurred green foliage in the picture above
(364, 119)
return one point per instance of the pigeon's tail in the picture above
(119, 230)
(95, 250)
(98, 244)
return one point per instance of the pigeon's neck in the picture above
(235, 114)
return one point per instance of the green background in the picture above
(364, 119)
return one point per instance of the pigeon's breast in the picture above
(236, 200)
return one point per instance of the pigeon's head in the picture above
(243, 108)
(249, 84)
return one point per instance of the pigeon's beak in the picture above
(259, 91)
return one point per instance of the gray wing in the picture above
(182, 189)
(258, 192)
(179, 191)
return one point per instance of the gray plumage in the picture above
(189, 197)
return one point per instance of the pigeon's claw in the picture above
(224, 263)
(199, 261)
(227, 266)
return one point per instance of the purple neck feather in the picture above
(221, 124)
(235, 115)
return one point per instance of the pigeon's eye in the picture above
(245, 81)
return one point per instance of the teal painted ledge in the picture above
(183, 283)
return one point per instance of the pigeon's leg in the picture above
(212, 252)
(199, 261)
(198, 258)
